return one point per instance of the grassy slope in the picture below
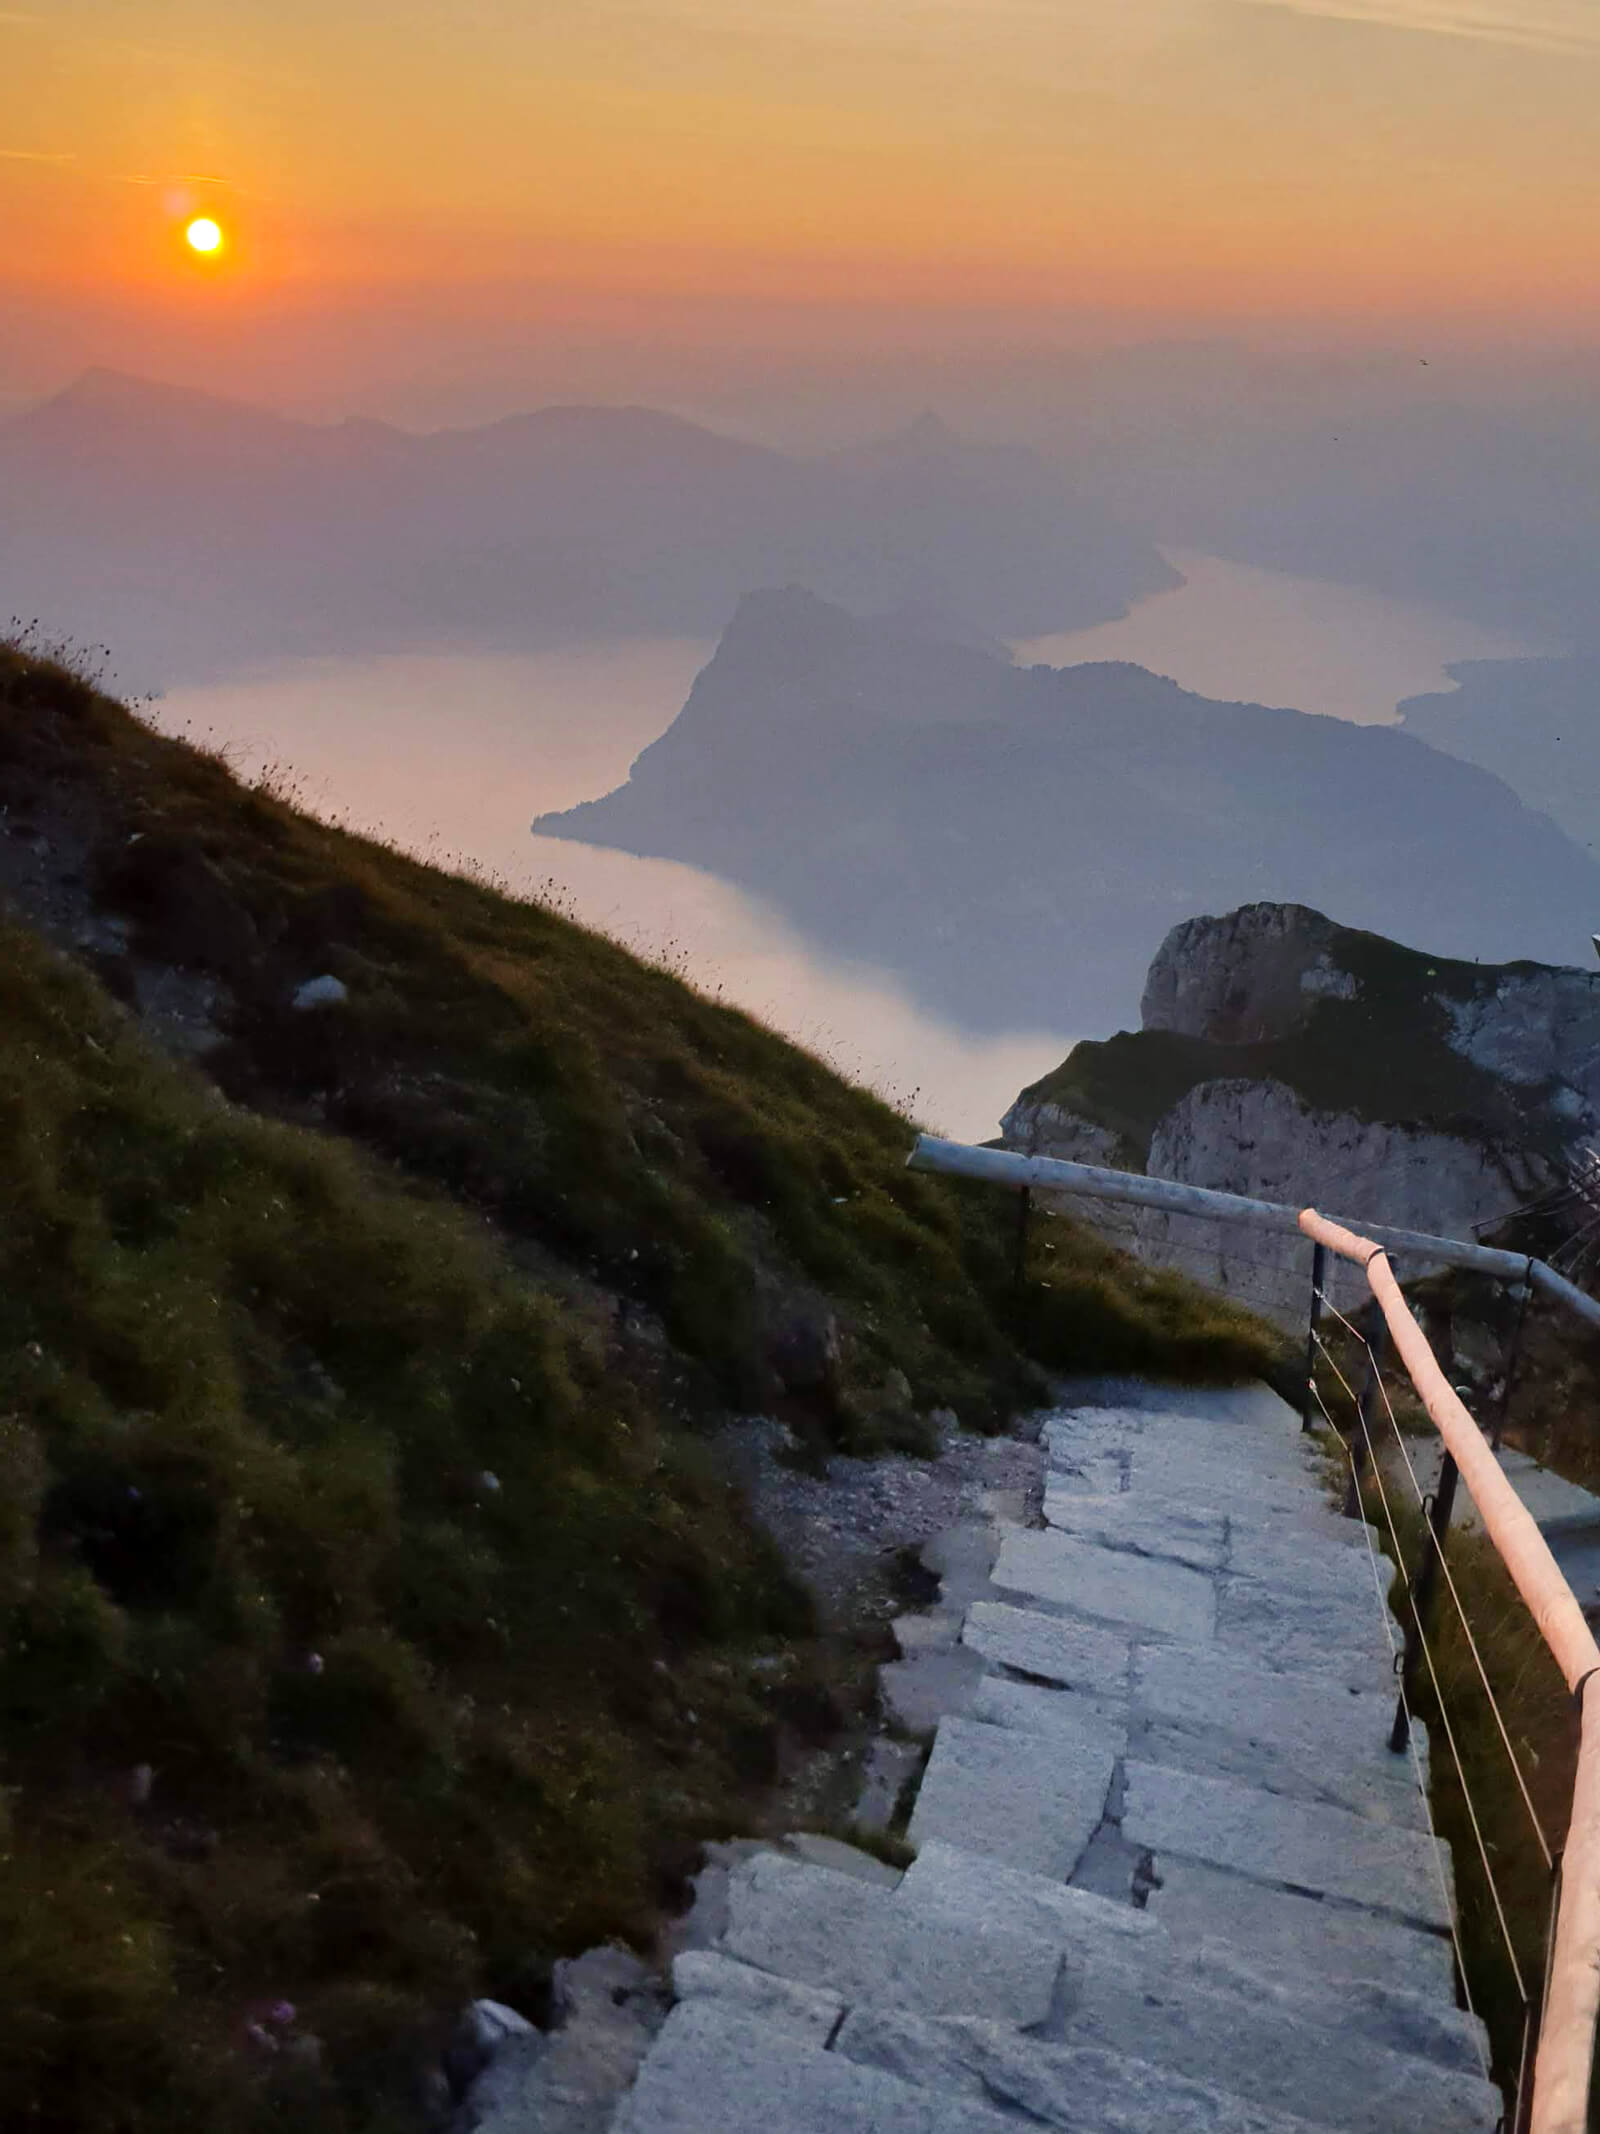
(355, 1476)
(1380, 1056)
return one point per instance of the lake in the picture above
(452, 754)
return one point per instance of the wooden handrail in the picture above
(1567, 2038)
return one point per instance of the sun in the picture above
(203, 235)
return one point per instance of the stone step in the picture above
(1052, 1648)
(1135, 1997)
(809, 2012)
(1213, 1711)
(858, 1941)
(1292, 1935)
(1337, 2076)
(1250, 1406)
(1350, 1769)
(1299, 1559)
(1082, 2088)
(1104, 1940)
(717, 2070)
(1030, 1799)
(1170, 1475)
(1109, 1585)
(1288, 1843)
(1223, 1449)
(1303, 1632)
(1124, 1521)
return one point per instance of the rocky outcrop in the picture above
(1291, 1059)
(1247, 978)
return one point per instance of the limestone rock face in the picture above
(1260, 1139)
(1536, 1025)
(1289, 1059)
(1051, 1130)
(1246, 978)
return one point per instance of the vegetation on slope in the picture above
(374, 1622)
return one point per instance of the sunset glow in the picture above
(759, 175)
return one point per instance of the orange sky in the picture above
(1201, 162)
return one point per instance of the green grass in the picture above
(356, 1474)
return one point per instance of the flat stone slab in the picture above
(998, 1701)
(1300, 1561)
(716, 2071)
(1077, 2087)
(1313, 1633)
(1127, 1522)
(1272, 2054)
(1100, 1939)
(1252, 1405)
(1296, 1936)
(818, 1850)
(1214, 1754)
(947, 1878)
(1052, 1647)
(860, 1942)
(917, 1693)
(1287, 1842)
(1210, 1710)
(809, 2012)
(939, 1630)
(1031, 1800)
(1109, 1584)
(1171, 1475)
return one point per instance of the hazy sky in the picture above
(435, 191)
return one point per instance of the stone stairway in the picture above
(1168, 1876)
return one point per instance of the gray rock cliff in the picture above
(1291, 1059)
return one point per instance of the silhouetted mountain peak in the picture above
(1009, 839)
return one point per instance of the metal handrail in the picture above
(1005, 1167)
(1564, 2059)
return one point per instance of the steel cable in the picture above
(1472, 1643)
(1438, 1691)
(1437, 1843)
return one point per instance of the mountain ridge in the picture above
(195, 535)
(938, 812)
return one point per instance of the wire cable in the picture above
(1386, 1617)
(1472, 1646)
(1455, 1595)
(1444, 1716)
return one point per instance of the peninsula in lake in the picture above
(1014, 843)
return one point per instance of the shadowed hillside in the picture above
(1014, 843)
(375, 1621)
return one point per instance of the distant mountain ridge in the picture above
(193, 534)
(1530, 721)
(1014, 843)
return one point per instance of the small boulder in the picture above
(804, 1349)
(324, 992)
(489, 2024)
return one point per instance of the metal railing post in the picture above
(1513, 1358)
(1319, 1277)
(1440, 1506)
(1369, 1394)
(1024, 1209)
